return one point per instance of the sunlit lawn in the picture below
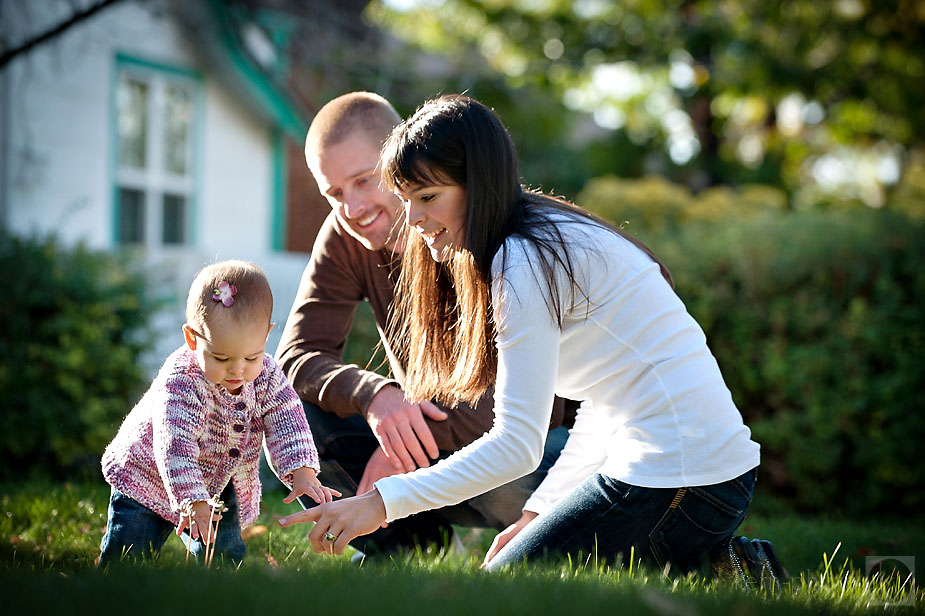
(50, 537)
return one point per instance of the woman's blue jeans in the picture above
(606, 519)
(135, 532)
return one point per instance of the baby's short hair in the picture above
(253, 298)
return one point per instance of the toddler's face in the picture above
(234, 354)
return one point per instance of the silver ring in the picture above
(330, 537)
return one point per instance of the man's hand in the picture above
(377, 468)
(401, 430)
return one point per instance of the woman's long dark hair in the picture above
(442, 317)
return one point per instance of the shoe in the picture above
(453, 547)
(752, 563)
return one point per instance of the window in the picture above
(155, 116)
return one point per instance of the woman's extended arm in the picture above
(528, 349)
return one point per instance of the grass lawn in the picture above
(50, 534)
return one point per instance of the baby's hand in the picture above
(305, 481)
(199, 521)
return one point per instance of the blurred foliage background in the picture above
(820, 99)
(770, 152)
(74, 324)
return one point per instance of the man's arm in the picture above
(312, 342)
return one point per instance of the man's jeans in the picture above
(345, 446)
(603, 518)
(135, 532)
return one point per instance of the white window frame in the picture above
(155, 181)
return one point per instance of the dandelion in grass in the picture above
(217, 508)
(186, 515)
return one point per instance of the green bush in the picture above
(656, 205)
(816, 321)
(73, 323)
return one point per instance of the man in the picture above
(364, 427)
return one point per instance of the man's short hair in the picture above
(338, 118)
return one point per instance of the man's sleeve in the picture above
(467, 423)
(311, 347)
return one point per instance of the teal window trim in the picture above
(278, 223)
(121, 62)
(196, 218)
(112, 166)
(123, 59)
(280, 27)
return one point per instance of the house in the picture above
(160, 127)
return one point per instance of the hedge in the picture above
(73, 324)
(815, 318)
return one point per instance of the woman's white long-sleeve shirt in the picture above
(656, 411)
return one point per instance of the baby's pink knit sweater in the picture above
(187, 438)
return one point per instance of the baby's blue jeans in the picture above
(135, 532)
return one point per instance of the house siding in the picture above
(60, 164)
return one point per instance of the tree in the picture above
(792, 93)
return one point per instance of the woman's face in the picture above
(438, 213)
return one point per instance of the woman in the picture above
(507, 287)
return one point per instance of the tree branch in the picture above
(74, 19)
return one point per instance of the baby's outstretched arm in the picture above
(305, 481)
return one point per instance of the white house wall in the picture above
(237, 178)
(58, 141)
(58, 148)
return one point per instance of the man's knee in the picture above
(339, 438)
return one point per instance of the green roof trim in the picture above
(255, 80)
(278, 221)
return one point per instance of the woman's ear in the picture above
(190, 337)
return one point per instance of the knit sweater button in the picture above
(238, 428)
(234, 452)
(240, 406)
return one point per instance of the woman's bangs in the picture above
(409, 166)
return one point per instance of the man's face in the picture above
(348, 176)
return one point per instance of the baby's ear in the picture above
(190, 337)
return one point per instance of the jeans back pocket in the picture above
(698, 518)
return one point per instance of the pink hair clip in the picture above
(224, 293)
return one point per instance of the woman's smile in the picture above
(432, 237)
